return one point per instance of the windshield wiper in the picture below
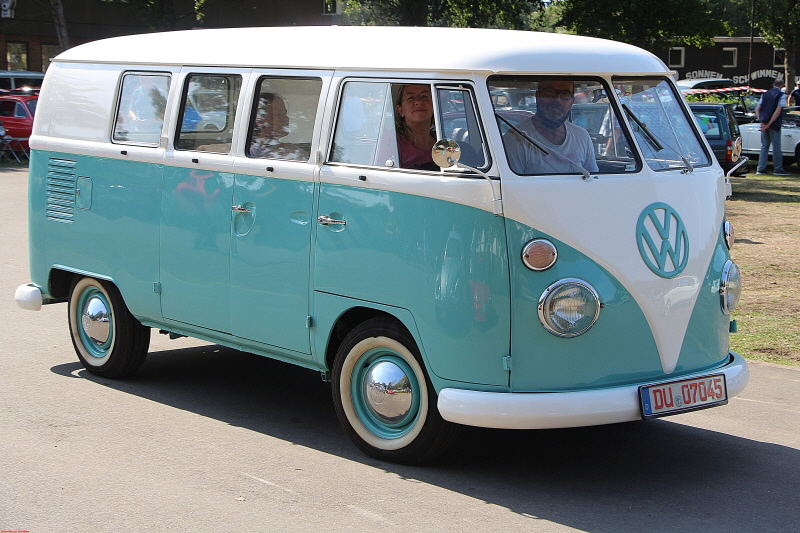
(544, 150)
(650, 136)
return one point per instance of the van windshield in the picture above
(660, 125)
(560, 125)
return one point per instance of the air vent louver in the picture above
(60, 190)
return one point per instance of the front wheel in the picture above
(383, 397)
(109, 341)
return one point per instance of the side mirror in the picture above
(446, 153)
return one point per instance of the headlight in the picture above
(569, 307)
(729, 236)
(730, 287)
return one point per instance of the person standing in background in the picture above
(769, 112)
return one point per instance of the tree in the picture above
(779, 23)
(513, 14)
(61, 24)
(644, 24)
(163, 15)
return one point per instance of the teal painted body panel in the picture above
(109, 238)
(270, 255)
(619, 349)
(444, 262)
(707, 340)
(196, 247)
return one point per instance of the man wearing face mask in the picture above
(566, 142)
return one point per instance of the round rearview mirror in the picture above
(446, 153)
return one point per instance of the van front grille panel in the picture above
(61, 178)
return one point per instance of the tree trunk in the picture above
(61, 24)
(788, 65)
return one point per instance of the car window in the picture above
(32, 105)
(459, 122)
(561, 125)
(207, 112)
(660, 125)
(7, 108)
(282, 118)
(19, 111)
(140, 112)
(709, 122)
(388, 125)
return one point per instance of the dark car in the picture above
(16, 112)
(721, 130)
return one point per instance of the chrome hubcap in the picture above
(95, 321)
(388, 392)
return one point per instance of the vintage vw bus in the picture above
(254, 189)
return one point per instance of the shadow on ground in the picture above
(641, 476)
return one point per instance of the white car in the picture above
(790, 137)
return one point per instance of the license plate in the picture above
(681, 396)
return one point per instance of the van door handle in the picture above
(325, 220)
(239, 209)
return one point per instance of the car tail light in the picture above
(729, 151)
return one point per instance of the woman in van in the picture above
(414, 122)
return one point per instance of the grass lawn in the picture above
(765, 213)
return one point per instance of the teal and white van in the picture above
(476, 292)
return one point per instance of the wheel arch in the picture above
(60, 281)
(351, 318)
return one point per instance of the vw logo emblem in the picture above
(662, 239)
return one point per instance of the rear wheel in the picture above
(383, 397)
(109, 341)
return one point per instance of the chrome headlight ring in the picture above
(569, 307)
(730, 287)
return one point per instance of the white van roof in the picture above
(373, 48)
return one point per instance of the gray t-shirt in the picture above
(525, 158)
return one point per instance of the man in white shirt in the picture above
(567, 143)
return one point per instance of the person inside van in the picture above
(414, 124)
(567, 143)
(271, 125)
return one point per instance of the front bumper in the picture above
(543, 410)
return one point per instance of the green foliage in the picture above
(161, 15)
(645, 24)
(512, 14)
(734, 14)
(712, 98)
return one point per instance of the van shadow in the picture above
(640, 476)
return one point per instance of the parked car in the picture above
(790, 137)
(16, 112)
(20, 79)
(704, 83)
(722, 132)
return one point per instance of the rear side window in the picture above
(207, 113)
(140, 112)
(709, 122)
(282, 119)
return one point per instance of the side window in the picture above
(283, 116)
(460, 124)
(207, 113)
(6, 108)
(385, 124)
(19, 111)
(140, 113)
(365, 118)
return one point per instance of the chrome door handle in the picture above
(239, 209)
(325, 220)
